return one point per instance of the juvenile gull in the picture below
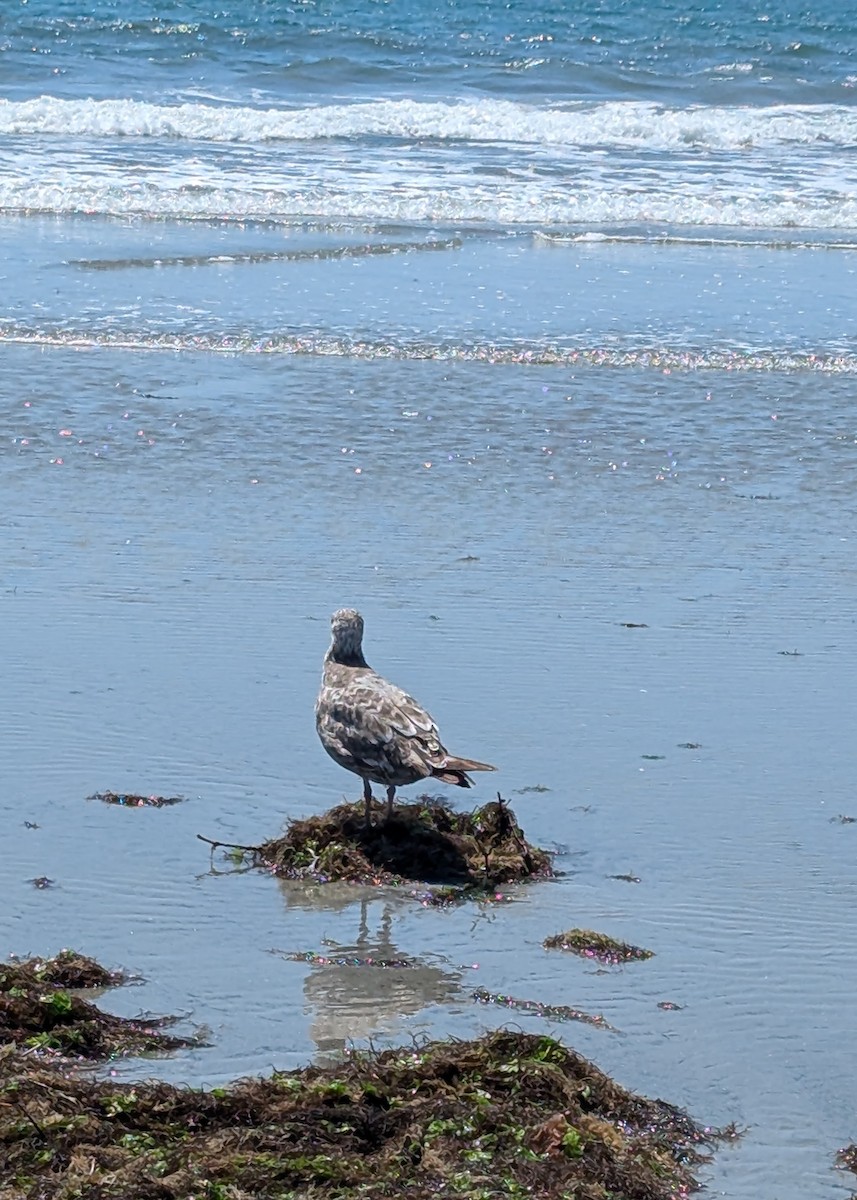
(371, 727)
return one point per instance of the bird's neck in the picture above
(346, 656)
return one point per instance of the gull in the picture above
(373, 728)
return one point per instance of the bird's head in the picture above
(346, 626)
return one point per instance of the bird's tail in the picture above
(454, 770)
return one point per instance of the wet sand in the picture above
(600, 567)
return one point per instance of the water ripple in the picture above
(513, 353)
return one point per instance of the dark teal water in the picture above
(757, 53)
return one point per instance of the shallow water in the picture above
(440, 293)
(179, 526)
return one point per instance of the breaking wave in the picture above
(614, 123)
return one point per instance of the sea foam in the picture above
(611, 123)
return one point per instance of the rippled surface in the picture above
(415, 294)
(543, 48)
(179, 527)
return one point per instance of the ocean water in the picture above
(512, 116)
(530, 331)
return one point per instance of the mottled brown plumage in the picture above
(371, 727)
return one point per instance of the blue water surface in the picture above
(731, 52)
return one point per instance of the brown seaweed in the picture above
(41, 1012)
(596, 945)
(132, 800)
(508, 1115)
(425, 841)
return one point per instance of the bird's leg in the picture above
(367, 800)
(391, 795)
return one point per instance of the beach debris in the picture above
(68, 969)
(549, 1012)
(846, 1158)
(596, 945)
(41, 1012)
(130, 800)
(373, 728)
(345, 960)
(448, 897)
(509, 1114)
(425, 841)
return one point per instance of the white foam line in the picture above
(595, 237)
(679, 202)
(580, 124)
(662, 359)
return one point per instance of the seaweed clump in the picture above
(596, 945)
(549, 1012)
(506, 1115)
(426, 841)
(67, 969)
(846, 1158)
(40, 1011)
(132, 800)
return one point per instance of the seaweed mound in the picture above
(507, 1115)
(425, 841)
(40, 1012)
(65, 970)
(599, 946)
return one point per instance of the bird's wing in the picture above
(375, 722)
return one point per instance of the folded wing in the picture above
(370, 722)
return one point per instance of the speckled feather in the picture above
(373, 728)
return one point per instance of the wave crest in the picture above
(613, 123)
